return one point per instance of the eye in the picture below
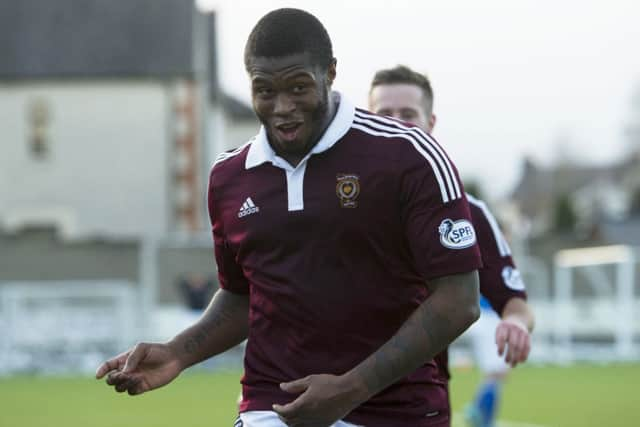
(263, 91)
(299, 89)
(408, 115)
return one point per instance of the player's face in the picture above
(402, 101)
(291, 99)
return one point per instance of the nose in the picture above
(284, 104)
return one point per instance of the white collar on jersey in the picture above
(261, 152)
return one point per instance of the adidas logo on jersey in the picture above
(248, 208)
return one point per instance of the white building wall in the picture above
(240, 131)
(106, 169)
(226, 134)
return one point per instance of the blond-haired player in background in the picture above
(498, 341)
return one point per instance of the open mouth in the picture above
(288, 131)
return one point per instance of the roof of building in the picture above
(97, 38)
(237, 109)
(564, 179)
(85, 39)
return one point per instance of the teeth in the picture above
(287, 127)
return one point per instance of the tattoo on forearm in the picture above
(423, 335)
(206, 326)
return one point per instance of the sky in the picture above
(544, 79)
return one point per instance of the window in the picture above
(39, 119)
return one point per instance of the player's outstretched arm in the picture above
(148, 366)
(512, 333)
(451, 308)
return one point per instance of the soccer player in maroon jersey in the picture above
(407, 95)
(345, 252)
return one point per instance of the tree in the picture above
(564, 214)
(634, 210)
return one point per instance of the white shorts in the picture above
(483, 343)
(270, 419)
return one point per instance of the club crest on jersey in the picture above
(512, 278)
(347, 190)
(456, 234)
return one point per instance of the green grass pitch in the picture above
(573, 396)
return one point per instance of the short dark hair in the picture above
(288, 31)
(402, 74)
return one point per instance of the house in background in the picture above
(603, 201)
(596, 195)
(111, 113)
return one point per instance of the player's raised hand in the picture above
(143, 368)
(324, 399)
(513, 341)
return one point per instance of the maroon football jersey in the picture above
(499, 278)
(334, 254)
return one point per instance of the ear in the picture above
(331, 71)
(432, 122)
